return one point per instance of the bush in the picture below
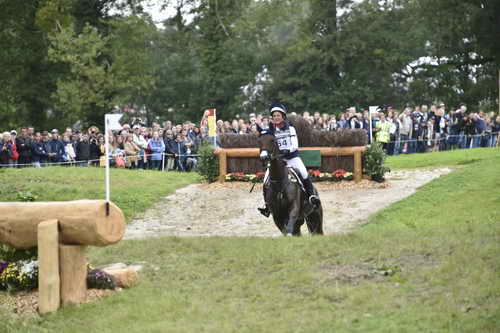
(208, 164)
(26, 196)
(374, 162)
(10, 254)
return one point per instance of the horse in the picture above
(284, 195)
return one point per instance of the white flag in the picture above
(113, 121)
(373, 109)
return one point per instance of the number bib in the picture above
(284, 140)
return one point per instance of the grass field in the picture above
(429, 263)
(132, 190)
(455, 158)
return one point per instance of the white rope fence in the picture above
(166, 155)
(113, 157)
(445, 137)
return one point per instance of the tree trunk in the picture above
(81, 222)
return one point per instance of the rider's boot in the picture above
(265, 210)
(311, 196)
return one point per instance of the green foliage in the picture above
(64, 61)
(26, 196)
(374, 162)
(10, 254)
(208, 163)
(88, 83)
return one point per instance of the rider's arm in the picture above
(294, 140)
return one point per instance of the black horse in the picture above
(284, 195)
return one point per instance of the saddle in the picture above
(293, 176)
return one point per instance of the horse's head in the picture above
(268, 146)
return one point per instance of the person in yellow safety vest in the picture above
(383, 128)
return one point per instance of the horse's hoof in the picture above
(264, 211)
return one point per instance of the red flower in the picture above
(339, 173)
(316, 173)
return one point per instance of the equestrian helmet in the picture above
(278, 107)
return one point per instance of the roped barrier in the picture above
(79, 162)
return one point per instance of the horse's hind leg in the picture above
(315, 221)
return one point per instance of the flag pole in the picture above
(371, 109)
(110, 123)
(106, 143)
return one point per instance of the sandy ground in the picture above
(230, 210)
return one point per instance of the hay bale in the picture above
(239, 140)
(308, 137)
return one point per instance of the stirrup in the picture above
(264, 211)
(314, 200)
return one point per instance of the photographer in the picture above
(95, 151)
(469, 130)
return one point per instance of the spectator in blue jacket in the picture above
(169, 141)
(38, 152)
(55, 148)
(180, 152)
(157, 147)
(480, 126)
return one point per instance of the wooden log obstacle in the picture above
(62, 231)
(355, 153)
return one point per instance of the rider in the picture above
(288, 144)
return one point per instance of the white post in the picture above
(371, 130)
(106, 143)
(371, 109)
(110, 123)
(162, 161)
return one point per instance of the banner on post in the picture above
(373, 109)
(112, 121)
(212, 132)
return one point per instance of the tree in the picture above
(85, 91)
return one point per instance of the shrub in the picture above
(26, 196)
(10, 254)
(208, 164)
(374, 162)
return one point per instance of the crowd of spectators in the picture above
(167, 148)
(174, 147)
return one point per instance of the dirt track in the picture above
(230, 210)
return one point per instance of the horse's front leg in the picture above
(293, 216)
